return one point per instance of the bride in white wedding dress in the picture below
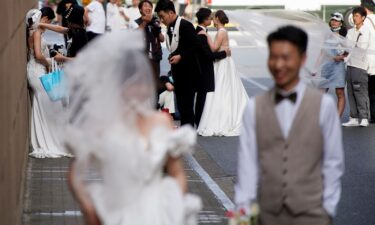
(128, 167)
(43, 141)
(223, 109)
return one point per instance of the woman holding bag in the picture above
(43, 141)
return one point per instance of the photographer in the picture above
(153, 35)
(74, 28)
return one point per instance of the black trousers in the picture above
(185, 104)
(199, 106)
(371, 94)
(91, 35)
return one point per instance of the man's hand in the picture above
(228, 52)
(202, 32)
(175, 59)
(338, 58)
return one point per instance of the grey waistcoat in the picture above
(290, 169)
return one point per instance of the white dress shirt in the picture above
(96, 17)
(360, 39)
(371, 52)
(333, 159)
(114, 19)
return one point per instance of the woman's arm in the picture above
(215, 46)
(161, 37)
(175, 168)
(86, 19)
(77, 187)
(56, 28)
(37, 39)
(61, 58)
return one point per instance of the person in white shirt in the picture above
(356, 73)
(369, 5)
(290, 157)
(95, 17)
(115, 20)
(132, 13)
(182, 6)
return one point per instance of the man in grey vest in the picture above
(291, 152)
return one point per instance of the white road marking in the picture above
(260, 43)
(65, 213)
(233, 43)
(49, 171)
(211, 184)
(247, 33)
(261, 86)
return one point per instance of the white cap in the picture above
(337, 16)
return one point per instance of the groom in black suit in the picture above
(183, 44)
(206, 59)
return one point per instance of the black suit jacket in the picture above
(187, 71)
(206, 59)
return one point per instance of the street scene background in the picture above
(212, 169)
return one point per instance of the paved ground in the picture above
(48, 200)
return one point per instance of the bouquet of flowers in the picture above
(241, 217)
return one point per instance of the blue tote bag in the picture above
(54, 83)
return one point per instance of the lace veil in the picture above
(32, 18)
(110, 81)
(257, 24)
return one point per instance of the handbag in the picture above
(54, 83)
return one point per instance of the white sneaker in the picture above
(353, 122)
(364, 123)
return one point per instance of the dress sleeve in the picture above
(181, 141)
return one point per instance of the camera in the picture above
(56, 49)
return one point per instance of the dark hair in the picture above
(48, 12)
(343, 31)
(141, 3)
(292, 34)
(28, 27)
(165, 5)
(360, 10)
(220, 14)
(203, 14)
(368, 4)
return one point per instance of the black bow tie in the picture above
(279, 97)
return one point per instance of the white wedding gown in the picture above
(43, 142)
(223, 109)
(130, 187)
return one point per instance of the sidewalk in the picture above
(48, 200)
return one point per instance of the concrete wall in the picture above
(14, 108)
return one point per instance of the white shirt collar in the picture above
(298, 89)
